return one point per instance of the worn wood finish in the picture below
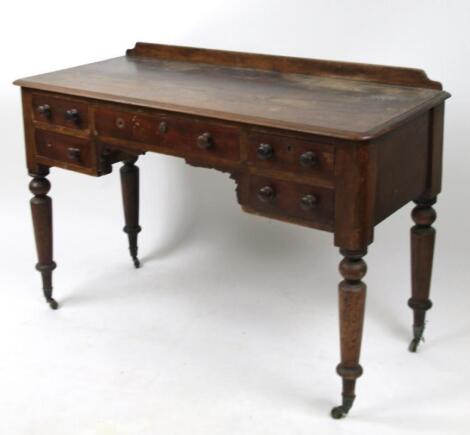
(335, 146)
(130, 198)
(310, 102)
(422, 250)
(352, 297)
(285, 64)
(41, 210)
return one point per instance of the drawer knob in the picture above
(74, 154)
(72, 115)
(266, 194)
(45, 110)
(308, 202)
(265, 151)
(120, 123)
(308, 159)
(163, 127)
(205, 141)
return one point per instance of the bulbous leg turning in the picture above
(422, 250)
(130, 197)
(352, 293)
(41, 211)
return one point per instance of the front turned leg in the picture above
(41, 209)
(352, 296)
(130, 197)
(422, 249)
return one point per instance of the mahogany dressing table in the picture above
(330, 145)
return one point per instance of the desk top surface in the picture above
(343, 100)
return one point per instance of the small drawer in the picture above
(291, 154)
(181, 136)
(64, 149)
(311, 205)
(61, 112)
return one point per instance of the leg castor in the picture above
(342, 410)
(41, 210)
(53, 303)
(352, 295)
(418, 332)
(130, 197)
(422, 249)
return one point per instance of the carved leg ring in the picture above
(422, 248)
(352, 295)
(41, 209)
(130, 196)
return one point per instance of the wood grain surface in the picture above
(344, 105)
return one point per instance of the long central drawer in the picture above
(181, 136)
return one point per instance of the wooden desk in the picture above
(329, 145)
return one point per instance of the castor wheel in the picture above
(136, 262)
(342, 410)
(53, 303)
(418, 332)
(338, 412)
(413, 347)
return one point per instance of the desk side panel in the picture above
(26, 100)
(355, 184)
(403, 157)
(434, 179)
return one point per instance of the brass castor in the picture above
(52, 303)
(342, 410)
(418, 332)
(413, 345)
(338, 412)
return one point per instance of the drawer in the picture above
(63, 112)
(180, 136)
(291, 154)
(307, 204)
(64, 149)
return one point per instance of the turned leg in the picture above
(41, 209)
(352, 296)
(130, 198)
(422, 249)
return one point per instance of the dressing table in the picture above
(333, 146)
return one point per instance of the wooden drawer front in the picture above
(302, 201)
(290, 154)
(185, 137)
(64, 112)
(65, 149)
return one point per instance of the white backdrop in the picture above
(231, 325)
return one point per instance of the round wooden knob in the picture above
(266, 194)
(74, 154)
(265, 151)
(308, 202)
(72, 115)
(205, 141)
(163, 127)
(45, 110)
(308, 159)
